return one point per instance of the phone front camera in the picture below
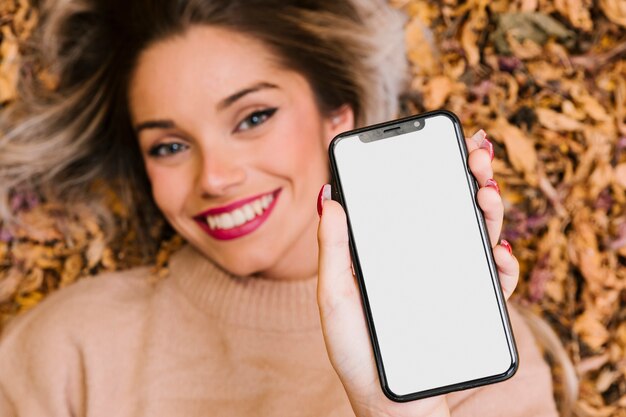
(417, 123)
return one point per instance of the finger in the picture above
(343, 322)
(334, 256)
(479, 141)
(490, 203)
(480, 165)
(508, 268)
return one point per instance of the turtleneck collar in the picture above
(244, 301)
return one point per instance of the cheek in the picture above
(298, 149)
(170, 188)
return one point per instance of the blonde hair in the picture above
(59, 140)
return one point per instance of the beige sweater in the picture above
(202, 343)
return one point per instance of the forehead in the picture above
(199, 68)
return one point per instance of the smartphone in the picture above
(422, 257)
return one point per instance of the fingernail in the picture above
(493, 184)
(505, 244)
(323, 196)
(479, 137)
(488, 146)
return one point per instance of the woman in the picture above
(217, 115)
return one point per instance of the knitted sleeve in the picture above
(39, 368)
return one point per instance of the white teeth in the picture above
(265, 201)
(238, 217)
(227, 221)
(248, 212)
(258, 208)
(241, 215)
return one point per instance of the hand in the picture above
(343, 323)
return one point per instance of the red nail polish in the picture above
(505, 244)
(320, 202)
(493, 184)
(323, 196)
(488, 146)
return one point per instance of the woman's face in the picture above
(235, 149)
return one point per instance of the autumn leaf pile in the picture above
(546, 79)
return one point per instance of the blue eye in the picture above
(255, 119)
(167, 149)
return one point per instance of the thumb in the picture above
(336, 281)
(343, 323)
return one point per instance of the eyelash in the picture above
(253, 119)
(263, 115)
(166, 149)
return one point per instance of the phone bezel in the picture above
(337, 195)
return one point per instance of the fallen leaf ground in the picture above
(546, 79)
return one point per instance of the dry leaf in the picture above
(592, 107)
(28, 301)
(524, 49)
(520, 149)
(71, 269)
(601, 178)
(436, 92)
(557, 121)
(9, 65)
(592, 363)
(31, 281)
(565, 212)
(577, 11)
(615, 10)
(591, 330)
(422, 52)
(470, 35)
(9, 281)
(619, 174)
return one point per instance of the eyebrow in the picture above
(241, 93)
(223, 104)
(155, 124)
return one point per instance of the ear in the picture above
(338, 121)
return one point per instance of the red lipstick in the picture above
(238, 218)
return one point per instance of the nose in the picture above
(220, 172)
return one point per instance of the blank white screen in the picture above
(423, 260)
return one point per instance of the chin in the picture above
(242, 265)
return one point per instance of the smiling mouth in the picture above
(239, 218)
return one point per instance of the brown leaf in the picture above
(4, 252)
(592, 363)
(592, 331)
(524, 49)
(28, 301)
(593, 108)
(38, 226)
(577, 11)
(601, 178)
(615, 10)
(606, 378)
(422, 52)
(95, 252)
(29, 255)
(436, 92)
(619, 174)
(520, 148)
(9, 281)
(557, 121)
(9, 65)
(470, 35)
(71, 269)
(32, 281)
